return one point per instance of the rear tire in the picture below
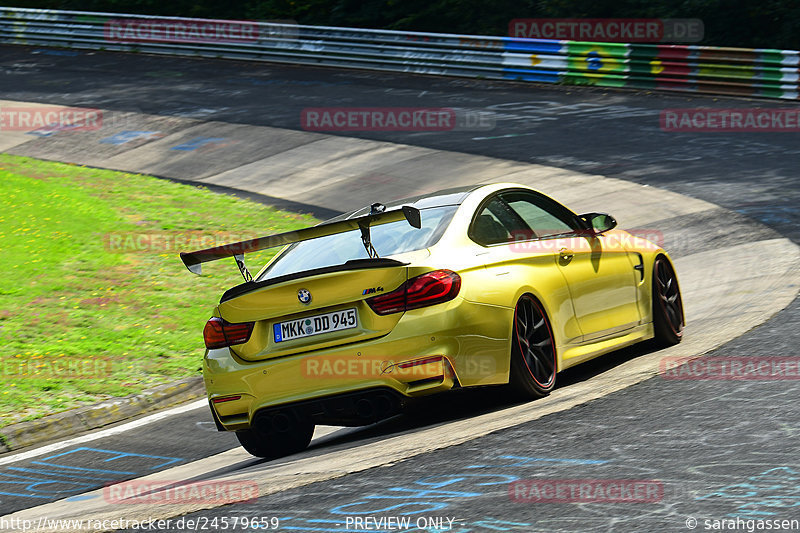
(668, 318)
(533, 352)
(276, 434)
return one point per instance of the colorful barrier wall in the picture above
(689, 68)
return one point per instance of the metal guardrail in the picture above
(689, 68)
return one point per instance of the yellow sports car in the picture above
(485, 285)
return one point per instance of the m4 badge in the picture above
(372, 290)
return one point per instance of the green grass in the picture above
(78, 285)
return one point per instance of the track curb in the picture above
(75, 421)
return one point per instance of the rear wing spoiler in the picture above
(376, 217)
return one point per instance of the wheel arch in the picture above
(547, 308)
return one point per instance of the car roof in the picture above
(443, 197)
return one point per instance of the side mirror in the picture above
(599, 222)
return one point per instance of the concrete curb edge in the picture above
(75, 421)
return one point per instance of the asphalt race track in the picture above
(718, 449)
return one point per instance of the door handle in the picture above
(565, 254)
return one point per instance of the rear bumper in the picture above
(351, 401)
(430, 350)
(348, 409)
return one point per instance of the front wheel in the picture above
(533, 351)
(274, 435)
(668, 319)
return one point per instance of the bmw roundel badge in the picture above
(304, 296)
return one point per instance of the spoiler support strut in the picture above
(366, 238)
(243, 268)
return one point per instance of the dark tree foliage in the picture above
(744, 23)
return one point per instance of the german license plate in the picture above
(315, 325)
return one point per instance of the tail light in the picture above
(427, 289)
(219, 333)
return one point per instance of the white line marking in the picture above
(104, 433)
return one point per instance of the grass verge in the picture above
(94, 300)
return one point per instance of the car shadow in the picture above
(463, 404)
(431, 411)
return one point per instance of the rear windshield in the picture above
(388, 239)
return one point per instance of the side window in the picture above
(495, 224)
(543, 217)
